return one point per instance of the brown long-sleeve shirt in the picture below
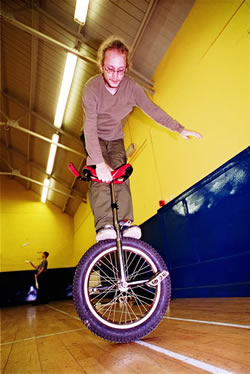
(104, 112)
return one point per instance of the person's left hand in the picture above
(186, 133)
(35, 276)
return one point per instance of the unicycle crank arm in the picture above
(138, 283)
(152, 282)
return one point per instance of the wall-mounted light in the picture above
(81, 10)
(45, 190)
(52, 154)
(65, 87)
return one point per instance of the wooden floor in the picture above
(50, 339)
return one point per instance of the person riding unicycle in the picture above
(107, 99)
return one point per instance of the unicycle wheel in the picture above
(110, 311)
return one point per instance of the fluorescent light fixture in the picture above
(45, 190)
(81, 10)
(65, 87)
(52, 154)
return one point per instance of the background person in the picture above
(41, 277)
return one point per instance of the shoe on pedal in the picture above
(107, 232)
(129, 231)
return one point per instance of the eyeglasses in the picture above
(111, 70)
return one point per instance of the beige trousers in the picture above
(99, 193)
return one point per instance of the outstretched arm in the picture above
(154, 111)
(159, 115)
(34, 266)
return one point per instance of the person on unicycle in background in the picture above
(41, 279)
(107, 99)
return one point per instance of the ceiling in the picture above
(35, 37)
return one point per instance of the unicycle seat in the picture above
(119, 175)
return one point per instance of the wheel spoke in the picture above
(132, 311)
(115, 304)
(109, 306)
(107, 278)
(114, 265)
(136, 300)
(136, 264)
(139, 271)
(126, 263)
(108, 267)
(145, 289)
(105, 294)
(140, 301)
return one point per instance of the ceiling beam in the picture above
(143, 26)
(80, 38)
(83, 162)
(38, 167)
(10, 18)
(145, 82)
(33, 74)
(15, 125)
(16, 173)
(4, 104)
(40, 117)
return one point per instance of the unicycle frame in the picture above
(114, 207)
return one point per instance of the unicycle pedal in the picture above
(158, 278)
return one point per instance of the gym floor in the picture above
(196, 336)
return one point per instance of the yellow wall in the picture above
(29, 226)
(84, 231)
(202, 81)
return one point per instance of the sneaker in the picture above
(107, 232)
(129, 231)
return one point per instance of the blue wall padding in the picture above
(15, 286)
(204, 234)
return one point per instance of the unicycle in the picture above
(121, 287)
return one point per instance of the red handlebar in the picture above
(73, 170)
(119, 175)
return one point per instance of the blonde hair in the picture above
(113, 42)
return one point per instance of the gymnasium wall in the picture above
(202, 82)
(29, 226)
(84, 231)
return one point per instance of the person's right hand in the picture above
(103, 172)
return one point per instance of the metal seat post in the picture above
(118, 234)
